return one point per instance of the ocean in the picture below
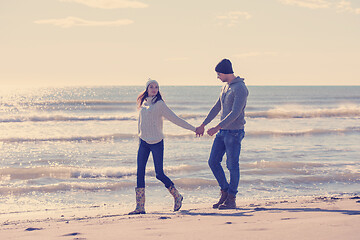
(75, 147)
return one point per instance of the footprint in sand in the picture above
(32, 229)
(71, 234)
(74, 234)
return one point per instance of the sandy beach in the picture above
(74, 137)
(335, 217)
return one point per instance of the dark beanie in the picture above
(224, 66)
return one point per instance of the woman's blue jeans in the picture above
(157, 151)
(229, 142)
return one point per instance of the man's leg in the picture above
(215, 159)
(233, 147)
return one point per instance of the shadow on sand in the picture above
(246, 212)
(347, 212)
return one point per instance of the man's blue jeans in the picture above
(157, 150)
(229, 142)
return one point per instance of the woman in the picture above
(152, 111)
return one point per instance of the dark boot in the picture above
(222, 199)
(230, 202)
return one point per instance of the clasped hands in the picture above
(211, 131)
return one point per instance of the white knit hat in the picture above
(151, 81)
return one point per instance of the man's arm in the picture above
(237, 107)
(213, 112)
(213, 130)
(211, 115)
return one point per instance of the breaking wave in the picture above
(278, 113)
(7, 174)
(346, 111)
(64, 119)
(127, 136)
(312, 132)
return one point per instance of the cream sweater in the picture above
(150, 126)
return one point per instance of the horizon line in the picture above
(164, 85)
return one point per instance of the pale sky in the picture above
(124, 42)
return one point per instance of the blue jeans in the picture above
(157, 150)
(229, 142)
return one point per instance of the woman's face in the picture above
(153, 89)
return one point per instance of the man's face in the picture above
(222, 77)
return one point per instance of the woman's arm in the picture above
(172, 117)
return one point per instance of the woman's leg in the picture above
(158, 156)
(142, 158)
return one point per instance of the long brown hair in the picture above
(143, 95)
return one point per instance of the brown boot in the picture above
(230, 202)
(222, 199)
(140, 201)
(177, 197)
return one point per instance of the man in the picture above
(230, 132)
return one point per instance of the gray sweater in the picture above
(231, 103)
